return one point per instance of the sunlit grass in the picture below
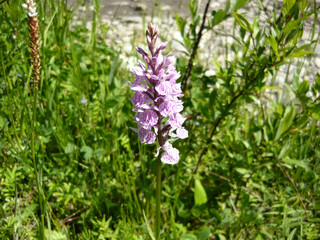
(98, 181)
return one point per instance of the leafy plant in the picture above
(249, 169)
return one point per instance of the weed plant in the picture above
(249, 169)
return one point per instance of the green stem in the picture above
(158, 196)
(35, 90)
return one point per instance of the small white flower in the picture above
(31, 7)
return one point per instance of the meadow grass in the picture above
(249, 169)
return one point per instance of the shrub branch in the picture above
(194, 49)
(294, 185)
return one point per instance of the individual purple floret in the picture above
(83, 100)
(3, 85)
(156, 99)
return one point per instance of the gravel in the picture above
(127, 21)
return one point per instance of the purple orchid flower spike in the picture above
(156, 99)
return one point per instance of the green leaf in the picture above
(284, 150)
(243, 171)
(258, 237)
(317, 83)
(193, 8)
(255, 26)
(243, 22)
(148, 226)
(204, 110)
(110, 103)
(294, 162)
(181, 24)
(226, 9)
(298, 54)
(303, 87)
(292, 234)
(239, 4)
(287, 5)
(99, 153)
(219, 17)
(273, 44)
(293, 25)
(2, 121)
(286, 121)
(288, 118)
(69, 148)
(55, 235)
(113, 70)
(302, 122)
(204, 234)
(221, 236)
(303, 4)
(44, 139)
(53, 189)
(188, 237)
(87, 152)
(200, 195)
(258, 137)
(246, 144)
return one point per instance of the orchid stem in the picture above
(158, 196)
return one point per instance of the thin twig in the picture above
(263, 114)
(233, 206)
(195, 48)
(76, 213)
(294, 185)
(219, 176)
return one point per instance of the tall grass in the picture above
(98, 180)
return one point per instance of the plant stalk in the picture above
(33, 136)
(36, 67)
(158, 197)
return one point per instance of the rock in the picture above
(210, 73)
(141, 7)
(166, 8)
(175, 43)
(215, 6)
(317, 61)
(126, 28)
(120, 3)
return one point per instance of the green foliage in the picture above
(251, 160)
(200, 196)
